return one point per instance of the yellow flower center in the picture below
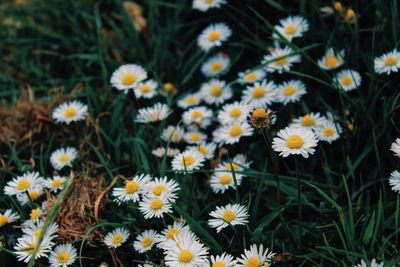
(216, 90)
(129, 79)
(23, 184)
(173, 232)
(37, 233)
(63, 257)
(64, 158)
(216, 66)
(390, 61)
(351, 16)
(132, 187)
(289, 90)
(197, 114)
(234, 166)
(57, 182)
(291, 29)
(307, 120)
(159, 189)
(33, 195)
(169, 87)
(147, 241)
(202, 149)
(209, 1)
(235, 112)
(331, 61)
(258, 92)
(117, 239)
(253, 262)
(225, 179)
(328, 132)
(260, 113)
(3, 220)
(295, 141)
(145, 88)
(347, 80)
(70, 112)
(35, 213)
(338, 6)
(250, 76)
(191, 100)
(236, 131)
(281, 61)
(31, 248)
(156, 204)
(218, 264)
(185, 256)
(213, 36)
(228, 215)
(195, 137)
(187, 160)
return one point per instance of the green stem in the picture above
(299, 207)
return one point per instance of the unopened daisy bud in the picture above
(351, 16)
(169, 88)
(338, 7)
(261, 118)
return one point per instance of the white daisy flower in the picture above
(36, 213)
(394, 181)
(128, 76)
(26, 246)
(373, 264)
(216, 65)
(56, 183)
(145, 241)
(328, 131)
(222, 181)
(295, 141)
(187, 161)
(214, 35)
(206, 149)
(224, 260)
(292, 27)
(154, 207)
(173, 134)
(8, 216)
(189, 252)
(132, 190)
(347, 80)
(158, 112)
(290, 91)
(234, 112)
(63, 157)
(116, 237)
(35, 228)
(178, 228)
(331, 60)
(194, 137)
(23, 183)
(146, 89)
(395, 147)
(280, 60)
(70, 112)
(62, 256)
(160, 152)
(231, 133)
(259, 94)
(310, 120)
(387, 63)
(162, 187)
(189, 100)
(204, 5)
(199, 116)
(238, 164)
(255, 257)
(31, 195)
(251, 76)
(228, 215)
(215, 92)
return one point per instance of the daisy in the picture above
(280, 60)
(331, 60)
(395, 147)
(27, 245)
(187, 161)
(204, 5)
(173, 134)
(200, 116)
(373, 264)
(261, 118)
(62, 255)
(189, 252)
(310, 120)
(222, 181)
(70, 112)
(132, 189)
(290, 91)
(23, 183)
(207, 150)
(255, 257)
(347, 80)
(178, 228)
(63, 157)
(328, 131)
(251, 76)
(216, 65)
(231, 134)
(295, 141)
(128, 76)
(160, 152)
(158, 112)
(145, 241)
(292, 27)
(224, 260)
(116, 237)
(56, 183)
(36, 213)
(231, 113)
(237, 164)
(35, 228)
(394, 181)
(189, 100)
(228, 215)
(194, 137)
(213, 35)
(147, 89)
(8, 217)
(259, 94)
(154, 207)
(31, 195)
(215, 92)
(162, 187)
(387, 63)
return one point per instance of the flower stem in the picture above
(299, 207)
